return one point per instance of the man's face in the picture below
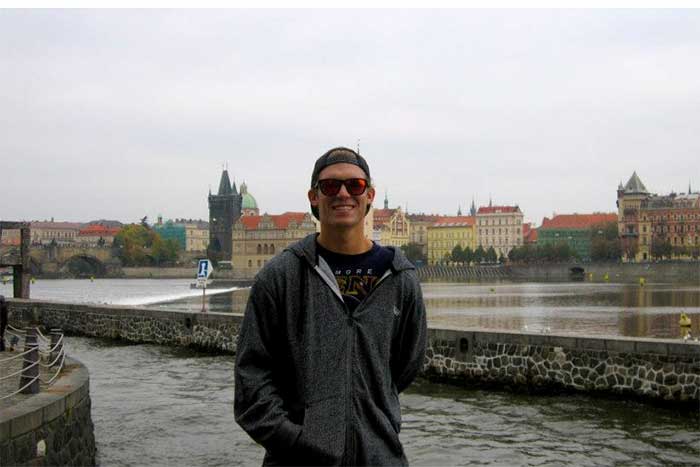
(343, 209)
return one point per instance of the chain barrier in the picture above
(43, 359)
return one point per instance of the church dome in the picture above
(247, 202)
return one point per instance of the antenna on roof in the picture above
(358, 145)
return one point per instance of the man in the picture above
(333, 331)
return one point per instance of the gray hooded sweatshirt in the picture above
(316, 384)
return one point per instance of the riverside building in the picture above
(97, 235)
(418, 229)
(256, 239)
(574, 230)
(61, 233)
(500, 227)
(653, 226)
(448, 232)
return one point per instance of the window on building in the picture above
(250, 263)
(259, 250)
(258, 263)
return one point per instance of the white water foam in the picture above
(134, 301)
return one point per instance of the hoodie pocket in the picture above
(322, 439)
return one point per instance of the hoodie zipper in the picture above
(349, 455)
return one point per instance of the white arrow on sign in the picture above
(204, 269)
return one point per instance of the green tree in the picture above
(491, 256)
(468, 255)
(563, 252)
(479, 254)
(414, 253)
(138, 245)
(661, 248)
(457, 254)
(514, 254)
(605, 242)
(164, 251)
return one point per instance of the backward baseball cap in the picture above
(338, 155)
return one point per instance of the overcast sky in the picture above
(121, 114)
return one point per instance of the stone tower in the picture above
(224, 211)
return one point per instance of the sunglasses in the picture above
(331, 186)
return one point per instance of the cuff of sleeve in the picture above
(285, 436)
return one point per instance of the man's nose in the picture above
(343, 193)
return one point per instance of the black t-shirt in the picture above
(357, 274)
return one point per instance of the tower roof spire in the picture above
(635, 185)
(224, 184)
(386, 199)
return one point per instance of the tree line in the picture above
(140, 245)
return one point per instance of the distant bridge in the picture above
(71, 260)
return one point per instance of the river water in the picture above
(577, 308)
(165, 406)
(156, 405)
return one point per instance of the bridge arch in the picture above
(82, 265)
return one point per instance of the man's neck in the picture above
(346, 242)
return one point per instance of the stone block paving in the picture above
(9, 366)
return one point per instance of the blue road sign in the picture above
(204, 269)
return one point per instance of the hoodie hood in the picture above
(306, 248)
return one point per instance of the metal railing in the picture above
(43, 359)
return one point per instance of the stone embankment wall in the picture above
(53, 427)
(208, 331)
(685, 272)
(657, 369)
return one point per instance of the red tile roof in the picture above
(577, 221)
(382, 216)
(529, 234)
(454, 221)
(497, 209)
(281, 221)
(96, 229)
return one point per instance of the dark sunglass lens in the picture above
(356, 186)
(330, 187)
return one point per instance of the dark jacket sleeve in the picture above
(258, 404)
(410, 341)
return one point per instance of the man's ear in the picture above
(313, 197)
(370, 194)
